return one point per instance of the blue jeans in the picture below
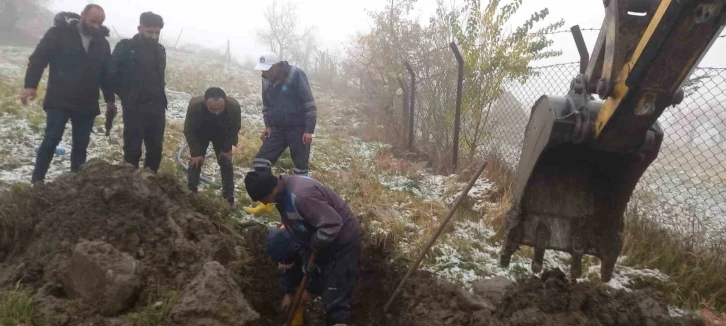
(55, 125)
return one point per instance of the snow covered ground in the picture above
(467, 253)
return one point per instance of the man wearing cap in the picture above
(138, 66)
(320, 222)
(214, 118)
(289, 114)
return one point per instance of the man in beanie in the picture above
(290, 115)
(285, 253)
(138, 66)
(320, 222)
(214, 118)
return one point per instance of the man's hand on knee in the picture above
(228, 155)
(196, 161)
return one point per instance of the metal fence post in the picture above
(411, 104)
(457, 116)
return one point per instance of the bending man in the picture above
(214, 118)
(320, 222)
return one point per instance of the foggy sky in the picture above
(212, 22)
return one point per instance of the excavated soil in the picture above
(175, 236)
(150, 217)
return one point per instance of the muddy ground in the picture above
(63, 238)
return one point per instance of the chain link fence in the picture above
(685, 188)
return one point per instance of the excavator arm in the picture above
(582, 158)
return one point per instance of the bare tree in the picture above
(282, 34)
(303, 51)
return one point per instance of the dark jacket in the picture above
(128, 75)
(196, 130)
(315, 216)
(288, 101)
(75, 76)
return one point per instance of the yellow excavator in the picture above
(581, 157)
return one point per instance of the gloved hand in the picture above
(260, 209)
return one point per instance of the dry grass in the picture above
(697, 275)
(502, 175)
(15, 218)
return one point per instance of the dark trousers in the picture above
(55, 125)
(336, 279)
(144, 126)
(225, 165)
(275, 145)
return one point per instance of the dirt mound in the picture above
(547, 300)
(164, 234)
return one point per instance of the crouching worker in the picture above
(320, 222)
(286, 253)
(214, 118)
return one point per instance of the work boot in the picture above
(259, 209)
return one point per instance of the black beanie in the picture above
(259, 184)
(150, 19)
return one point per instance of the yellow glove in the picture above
(298, 319)
(259, 209)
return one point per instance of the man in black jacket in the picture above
(137, 67)
(77, 51)
(214, 118)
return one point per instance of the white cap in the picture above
(266, 61)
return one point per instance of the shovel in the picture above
(298, 295)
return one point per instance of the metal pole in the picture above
(457, 117)
(411, 104)
(581, 48)
(178, 38)
(436, 235)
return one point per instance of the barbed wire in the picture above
(564, 31)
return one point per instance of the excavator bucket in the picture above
(570, 196)
(582, 158)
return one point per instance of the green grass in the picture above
(155, 312)
(18, 308)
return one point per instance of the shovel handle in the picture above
(298, 295)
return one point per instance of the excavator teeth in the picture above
(576, 265)
(539, 248)
(606, 271)
(505, 260)
(577, 251)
